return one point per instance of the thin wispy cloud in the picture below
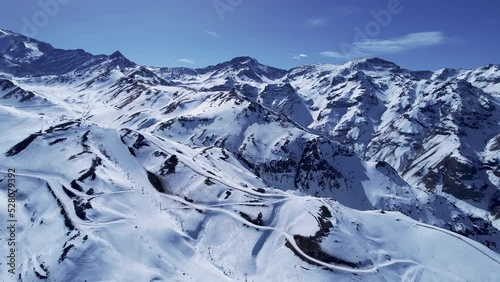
(186, 61)
(400, 44)
(212, 33)
(299, 56)
(333, 54)
(337, 13)
(404, 43)
(317, 22)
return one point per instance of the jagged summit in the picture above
(244, 59)
(444, 74)
(4, 32)
(241, 62)
(120, 61)
(29, 57)
(117, 55)
(373, 64)
(375, 61)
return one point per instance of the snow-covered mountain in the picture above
(245, 172)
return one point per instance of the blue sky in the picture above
(416, 34)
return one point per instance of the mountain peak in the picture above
(377, 60)
(117, 55)
(248, 67)
(5, 32)
(244, 59)
(444, 74)
(374, 63)
(118, 59)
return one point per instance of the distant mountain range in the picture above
(245, 172)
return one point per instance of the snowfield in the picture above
(243, 172)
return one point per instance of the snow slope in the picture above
(243, 172)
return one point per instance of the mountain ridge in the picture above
(377, 61)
